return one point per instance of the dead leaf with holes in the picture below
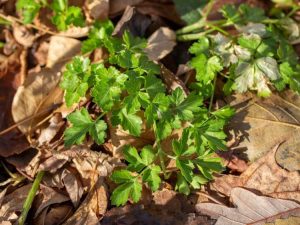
(265, 176)
(264, 123)
(250, 209)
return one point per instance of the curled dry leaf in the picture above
(47, 134)
(160, 43)
(56, 214)
(265, 176)
(23, 35)
(49, 197)
(133, 22)
(274, 120)
(250, 209)
(39, 94)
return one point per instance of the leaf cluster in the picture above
(260, 57)
(63, 14)
(127, 88)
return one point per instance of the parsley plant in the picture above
(259, 56)
(128, 89)
(63, 14)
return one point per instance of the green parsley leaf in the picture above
(75, 80)
(29, 9)
(130, 189)
(81, 125)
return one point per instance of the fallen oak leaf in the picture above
(250, 209)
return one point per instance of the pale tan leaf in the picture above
(61, 50)
(265, 176)
(250, 209)
(160, 43)
(98, 9)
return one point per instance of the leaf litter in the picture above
(76, 188)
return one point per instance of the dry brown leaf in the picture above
(117, 6)
(39, 94)
(98, 9)
(50, 197)
(133, 22)
(265, 123)
(165, 10)
(160, 43)
(73, 186)
(250, 209)
(265, 176)
(56, 214)
(12, 203)
(90, 164)
(92, 208)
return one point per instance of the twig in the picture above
(209, 197)
(28, 119)
(16, 20)
(30, 197)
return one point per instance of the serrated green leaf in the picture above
(153, 85)
(121, 194)
(152, 178)
(206, 68)
(98, 131)
(121, 176)
(181, 185)
(186, 168)
(29, 9)
(82, 124)
(131, 122)
(75, 80)
(201, 46)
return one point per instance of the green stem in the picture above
(209, 8)
(190, 37)
(30, 197)
(212, 95)
(192, 27)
